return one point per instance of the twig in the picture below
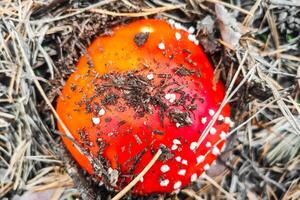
(274, 31)
(290, 57)
(138, 178)
(139, 14)
(252, 11)
(226, 99)
(213, 182)
(6, 115)
(192, 194)
(101, 3)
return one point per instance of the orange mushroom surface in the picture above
(148, 85)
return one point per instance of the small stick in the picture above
(138, 14)
(138, 178)
(213, 182)
(252, 10)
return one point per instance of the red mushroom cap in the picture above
(146, 86)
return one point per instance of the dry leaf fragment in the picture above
(231, 30)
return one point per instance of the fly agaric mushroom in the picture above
(146, 86)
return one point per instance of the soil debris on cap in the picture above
(141, 94)
(141, 38)
(183, 71)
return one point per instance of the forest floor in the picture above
(254, 46)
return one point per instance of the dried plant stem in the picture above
(138, 178)
(59, 120)
(214, 183)
(227, 97)
(139, 14)
(101, 3)
(40, 89)
(248, 18)
(191, 194)
(274, 31)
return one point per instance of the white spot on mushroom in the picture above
(191, 30)
(213, 131)
(231, 124)
(164, 183)
(171, 97)
(171, 21)
(221, 118)
(185, 162)
(174, 147)
(196, 42)
(200, 159)
(178, 159)
(177, 185)
(208, 144)
(96, 120)
(223, 135)
(206, 167)
(177, 125)
(177, 25)
(182, 172)
(193, 146)
(192, 37)
(215, 151)
(101, 112)
(177, 36)
(211, 112)
(193, 177)
(176, 141)
(164, 168)
(168, 96)
(145, 123)
(150, 76)
(203, 120)
(172, 100)
(161, 46)
(227, 120)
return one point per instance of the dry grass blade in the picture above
(191, 194)
(248, 18)
(214, 183)
(227, 98)
(101, 3)
(285, 110)
(145, 12)
(274, 31)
